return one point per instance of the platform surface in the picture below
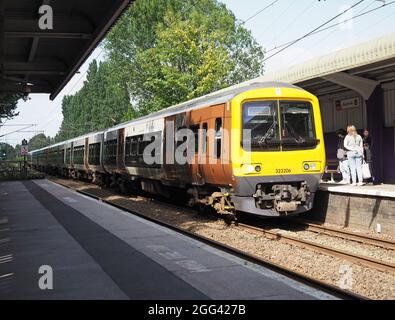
(382, 190)
(97, 251)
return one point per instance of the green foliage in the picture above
(102, 102)
(160, 53)
(38, 141)
(172, 51)
(8, 104)
(7, 152)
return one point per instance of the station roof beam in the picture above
(43, 60)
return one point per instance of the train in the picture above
(257, 148)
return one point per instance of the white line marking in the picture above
(71, 200)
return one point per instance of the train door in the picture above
(217, 169)
(121, 150)
(173, 169)
(86, 154)
(198, 125)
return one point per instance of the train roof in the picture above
(213, 98)
(68, 141)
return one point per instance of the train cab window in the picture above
(260, 125)
(203, 133)
(218, 137)
(297, 125)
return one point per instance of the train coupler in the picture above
(219, 201)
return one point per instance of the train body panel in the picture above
(258, 149)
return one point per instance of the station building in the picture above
(355, 86)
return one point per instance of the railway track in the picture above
(344, 234)
(363, 260)
(299, 276)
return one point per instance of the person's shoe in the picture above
(344, 182)
(354, 184)
(361, 184)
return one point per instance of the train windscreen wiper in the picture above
(269, 134)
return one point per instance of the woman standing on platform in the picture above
(354, 146)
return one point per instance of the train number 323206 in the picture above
(283, 170)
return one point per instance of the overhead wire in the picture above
(260, 11)
(336, 24)
(315, 29)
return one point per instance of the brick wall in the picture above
(354, 211)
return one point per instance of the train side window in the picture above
(127, 146)
(218, 137)
(204, 137)
(110, 151)
(68, 155)
(195, 130)
(94, 153)
(141, 146)
(133, 147)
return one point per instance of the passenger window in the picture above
(218, 137)
(195, 130)
(141, 146)
(133, 150)
(204, 137)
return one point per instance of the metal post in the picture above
(24, 168)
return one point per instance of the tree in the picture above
(160, 53)
(7, 152)
(8, 104)
(39, 141)
(171, 51)
(102, 102)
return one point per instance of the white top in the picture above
(354, 143)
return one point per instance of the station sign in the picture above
(347, 104)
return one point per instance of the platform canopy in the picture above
(361, 68)
(43, 61)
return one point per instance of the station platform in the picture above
(368, 208)
(380, 191)
(97, 251)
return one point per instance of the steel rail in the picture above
(298, 276)
(348, 235)
(363, 260)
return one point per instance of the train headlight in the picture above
(251, 168)
(312, 166)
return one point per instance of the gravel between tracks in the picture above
(351, 246)
(365, 281)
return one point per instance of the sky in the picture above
(279, 23)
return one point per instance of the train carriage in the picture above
(257, 148)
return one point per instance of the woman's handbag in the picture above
(366, 170)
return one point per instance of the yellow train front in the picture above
(277, 150)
